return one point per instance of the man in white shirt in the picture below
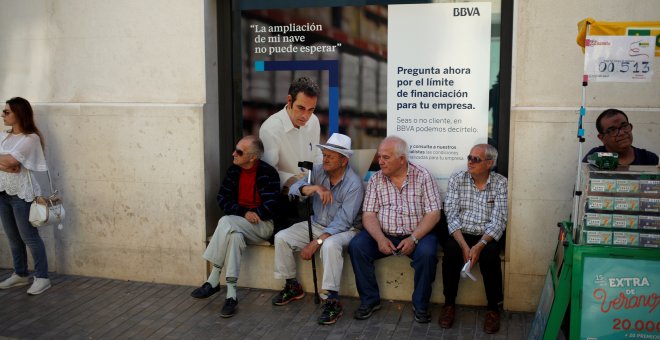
(289, 136)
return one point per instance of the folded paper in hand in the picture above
(465, 272)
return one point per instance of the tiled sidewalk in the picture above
(92, 308)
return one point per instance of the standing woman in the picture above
(21, 149)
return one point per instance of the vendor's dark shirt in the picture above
(642, 156)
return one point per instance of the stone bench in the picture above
(394, 274)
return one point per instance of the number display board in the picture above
(619, 58)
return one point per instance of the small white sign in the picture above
(619, 58)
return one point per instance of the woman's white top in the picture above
(27, 150)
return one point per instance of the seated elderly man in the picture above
(336, 192)
(401, 207)
(249, 197)
(476, 207)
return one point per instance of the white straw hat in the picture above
(338, 143)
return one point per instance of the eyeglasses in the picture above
(476, 160)
(614, 131)
(6, 112)
(239, 152)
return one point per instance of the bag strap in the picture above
(50, 182)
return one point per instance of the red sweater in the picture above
(248, 196)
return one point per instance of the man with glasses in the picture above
(249, 197)
(476, 208)
(615, 132)
(336, 192)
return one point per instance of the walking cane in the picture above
(309, 166)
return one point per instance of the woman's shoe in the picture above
(14, 281)
(39, 286)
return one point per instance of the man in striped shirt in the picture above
(401, 206)
(476, 206)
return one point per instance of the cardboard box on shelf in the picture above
(350, 21)
(627, 185)
(625, 238)
(626, 203)
(625, 221)
(598, 220)
(598, 237)
(368, 84)
(600, 202)
(602, 185)
(649, 222)
(349, 74)
(649, 240)
(382, 86)
(649, 186)
(649, 204)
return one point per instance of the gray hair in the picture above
(400, 145)
(490, 151)
(256, 145)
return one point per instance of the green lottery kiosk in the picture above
(606, 269)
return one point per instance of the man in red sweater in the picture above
(249, 197)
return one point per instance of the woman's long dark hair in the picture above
(25, 116)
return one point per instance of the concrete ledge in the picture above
(394, 274)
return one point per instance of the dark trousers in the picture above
(489, 264)
(364, 251)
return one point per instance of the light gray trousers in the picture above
(230, 240)
(296, 237)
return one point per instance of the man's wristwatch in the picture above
(484, 242)
(319, 241)
(412, 237)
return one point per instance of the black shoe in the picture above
(204, 291)
(229, 309)
(422, 316)
(291, 291)
(332, 311)
(364, 311)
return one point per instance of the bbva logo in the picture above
(466, 11)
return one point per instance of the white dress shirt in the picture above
(285, 145)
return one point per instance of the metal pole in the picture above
(580, 135)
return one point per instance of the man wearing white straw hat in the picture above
(336, 192)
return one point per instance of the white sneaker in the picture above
(39, 286)
(14, 281)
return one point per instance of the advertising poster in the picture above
(619, 58)
(422, 72)
(438, 81)
(342, 49)
(620, 299)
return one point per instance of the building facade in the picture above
(127, 95)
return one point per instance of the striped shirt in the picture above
(400, 211)
(474, 211)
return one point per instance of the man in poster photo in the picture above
(289, 135)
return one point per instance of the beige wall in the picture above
(546, 96)
(119, 92)
(126, 96)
